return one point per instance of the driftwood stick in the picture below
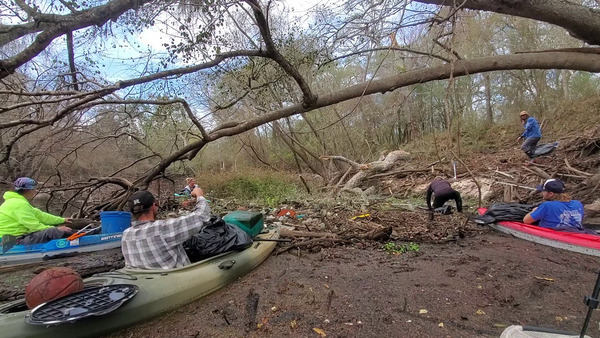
(472, 177)
(403, 171)
(365, 225)
(504, 174)
(573, 176)
(537, 171)
(339, 183)
(305, 185)
(343, 159)
(295, 233)
(515, 185)
(436, 162)
(576, 170)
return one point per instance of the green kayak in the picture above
(158, 291)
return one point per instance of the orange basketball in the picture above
(52, 284)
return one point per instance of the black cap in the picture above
(552, 185)
(140, 201)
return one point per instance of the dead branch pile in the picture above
(378, 227)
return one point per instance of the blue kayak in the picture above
(58, 247)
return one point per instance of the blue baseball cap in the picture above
(25, 183)
(552, 185)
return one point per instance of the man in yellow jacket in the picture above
(31, 225)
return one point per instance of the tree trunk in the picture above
(488, 98)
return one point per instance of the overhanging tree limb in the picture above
(58, 26)
(582, 22)
(309, 97)
(547, 60)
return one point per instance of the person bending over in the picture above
(443, 192)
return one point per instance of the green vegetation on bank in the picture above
(265, 188)
(396, 249)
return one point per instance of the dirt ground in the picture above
(464, 281)
(473, 287)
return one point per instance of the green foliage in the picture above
(264, 188)
(395, 249)
(269, 192)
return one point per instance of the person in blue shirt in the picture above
(532, 134)
(558, 211)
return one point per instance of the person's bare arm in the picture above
(197, 192)
(528, 219)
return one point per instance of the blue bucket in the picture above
(115, 221)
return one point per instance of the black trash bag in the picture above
(504, 212)
(217, 237)
(545, 149)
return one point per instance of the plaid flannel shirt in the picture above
(158, 244)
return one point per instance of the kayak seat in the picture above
(94, 301)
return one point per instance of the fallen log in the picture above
(379, 234)
(363, 171)
(296, 233)
(311, 242)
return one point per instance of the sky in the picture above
(154, 38)
(120, 64)
(150, 41)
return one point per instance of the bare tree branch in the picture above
(386, 49)
(71, 55)
(49, 29)
(309, 98)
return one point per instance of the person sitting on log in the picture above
(558, 211)
(443, 192)
(158, 244)
(29, 224)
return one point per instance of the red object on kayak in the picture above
(569, 238)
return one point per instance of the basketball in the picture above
(51, 284)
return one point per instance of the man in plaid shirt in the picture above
(157, 244)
